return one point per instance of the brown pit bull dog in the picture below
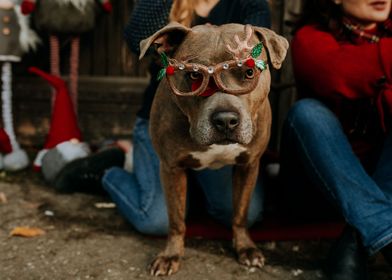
(211, 109)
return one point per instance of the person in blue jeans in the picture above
(138, 193)
(338, 136)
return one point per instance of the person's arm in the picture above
(256, 12)
(147, 17)
(330, 68)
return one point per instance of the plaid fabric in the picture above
(147, 17)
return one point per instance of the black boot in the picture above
(347, 259)
(387, 252)
(85, 174)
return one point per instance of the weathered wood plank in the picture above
(107, 108)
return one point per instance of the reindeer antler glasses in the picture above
(237, 76)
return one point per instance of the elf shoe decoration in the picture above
(64, 140)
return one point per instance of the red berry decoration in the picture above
(250, 63)
(27, 7)
(170, 70)
(107, 7)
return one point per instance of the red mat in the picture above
(268, 230)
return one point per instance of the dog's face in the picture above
(219, 115)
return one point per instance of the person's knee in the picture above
(111, 174)
(153, 226)
(310, 113)
(305, 110)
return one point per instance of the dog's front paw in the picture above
(251, 257)
(165, 265)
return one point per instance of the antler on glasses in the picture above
(242, 48)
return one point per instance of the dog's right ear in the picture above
(166, 39)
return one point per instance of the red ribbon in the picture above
(210, 90)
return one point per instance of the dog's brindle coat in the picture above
(185, 136)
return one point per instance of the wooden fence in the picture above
(112, 81)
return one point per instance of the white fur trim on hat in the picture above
(38, 158)
(16, 160)
(71, 150)
(11, 58)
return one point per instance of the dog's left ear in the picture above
(166, 39)
(275, 44)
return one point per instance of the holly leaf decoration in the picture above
(165, 61)
(256, 51)
(161, 74)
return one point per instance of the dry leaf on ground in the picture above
(27, 231)
(31, 205)
(3, 198)
(105, 205)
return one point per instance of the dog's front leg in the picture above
(175, 185)
(244, 180)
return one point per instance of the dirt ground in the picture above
(84, 241)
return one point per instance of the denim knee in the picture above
(124, 190)
(311, 117)
(152, 226)
(308, 110)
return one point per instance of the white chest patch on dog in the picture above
(218, 156)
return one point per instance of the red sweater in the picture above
(347, 77)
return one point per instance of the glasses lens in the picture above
(186, 82)
(238, 79)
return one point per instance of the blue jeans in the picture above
(139, 195)
(314, 137)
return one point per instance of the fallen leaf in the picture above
(27, 231)
(3, 198)
(31, 205)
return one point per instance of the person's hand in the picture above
(27, 7)
(107, 6)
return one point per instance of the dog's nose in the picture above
(225, 121)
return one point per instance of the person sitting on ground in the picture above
(338, 135)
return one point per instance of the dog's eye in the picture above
(249, 74)
(194, 76)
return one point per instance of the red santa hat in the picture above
(64, 125)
